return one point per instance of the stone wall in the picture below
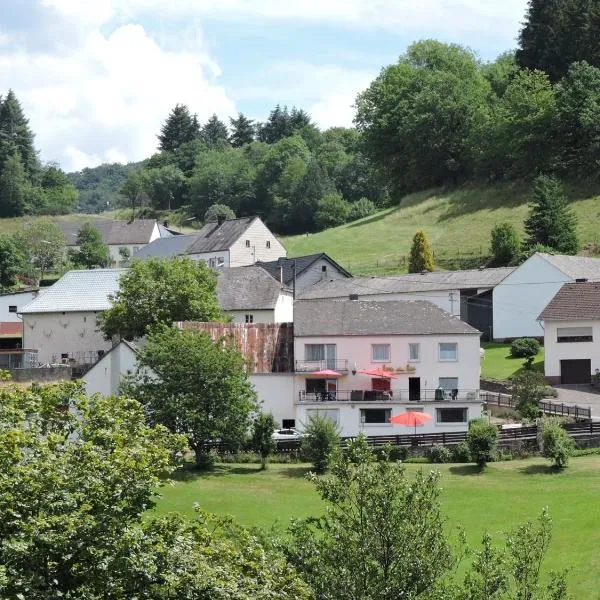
(41, 374)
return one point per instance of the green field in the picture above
(457, 223)
(499, 364)
(505, 495)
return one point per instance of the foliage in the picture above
(461, 453)
(92, 250)
(421, 254)
(242, 131)
(58, 195)
(179, 128)
(332, 210)
(13, 187)
(11, 263)
(482, 440)
(440, 454)
(133, 190)
(262, 440)
(556, 443)
(42, 245)
(360, 209)
(165, 186)
(124, 253)
(524, 348)
(214, 132)
(218, 211)
(159, 291)
(505, 244)
(551, 222)
(321, 437)
(527, 390)
(205, 393)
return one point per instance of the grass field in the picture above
(499, 499)
(499, 364)
(457, 223)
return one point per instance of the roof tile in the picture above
(574, 302)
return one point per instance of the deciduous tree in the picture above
(43, 247)
(505, 244)
(11, 263)
(92, 250)
(262, 440)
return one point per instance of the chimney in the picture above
(581, 280)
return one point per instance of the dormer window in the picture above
(247, 243)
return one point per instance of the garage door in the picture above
(575, 371)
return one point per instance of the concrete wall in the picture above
(19, 300)
(284, 309)
(105, 376)
(555, 352)
(53, 334)
(41, 374)
(275, 392)
(258, 234)
(523, 295)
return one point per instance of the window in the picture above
(380, 352)
(220, 262)
(288, 423)
(324, 268)
(375, 416)
(333, 414)
(322, 354)
(249, 318)
(315, 386)
(414, 352)
(268, 244)
(451, 415)
(247, 243)
(449, 383)
(448, 351)
(574, 334)
(12, 308)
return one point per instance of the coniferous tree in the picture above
(421, 254)
(242, 131)
(15, 135)
(13, 185)
(214, 132)
(179, 128)
(551, 221)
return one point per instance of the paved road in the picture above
(583, 395)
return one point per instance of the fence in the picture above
(546, 406)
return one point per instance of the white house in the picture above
(520, 298)
(122, 237)
(359, 362)
(105, 376)
(11, 326)
(222, 244)
(62, 322)
(571, 324)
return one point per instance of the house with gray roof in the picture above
(571, 325)
(222, 244)
(358, 362)
(520, 298)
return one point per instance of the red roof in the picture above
(10, 329)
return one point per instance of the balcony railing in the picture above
(311, 366)
(18, 359)
(393, 396)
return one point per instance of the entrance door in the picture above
(414, 389)
(576, 371)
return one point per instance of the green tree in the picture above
(11, 263)
(421, 254)
(332, 211)
(242, 131)
(551, 221)
(262, 440)
(60, 195)
(505, 244)
(320, 439)
(527, 389)
(204, 394)
(179, 128)
(13, 187)
(165, 186)
(43, 247)
(482, 439)
(360, 209)
(556, 443)
(214, 132)
(134, 189)
(501, 72)
(92, 250)
(218, 211)
(159, 291)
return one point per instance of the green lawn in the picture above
(505, 495)
(499, 364)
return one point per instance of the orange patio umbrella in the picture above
(380, 373)
(411, 418)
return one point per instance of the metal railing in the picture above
(546, 406)
(311, 366)
(438, 395)
(18, 359)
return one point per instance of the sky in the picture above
(97, 78)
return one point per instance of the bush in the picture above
(461, 453)
(557, 444)
(482, 439)
(505, 245)
(524, 348)
(360, 209)
(321, 437)
(332, 211)
(550, 392)
(394, 453)
(218, 211)
(527, 391)
(440, 454)
(262, 441)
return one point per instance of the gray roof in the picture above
(574, 302)
(576, 267)
(248, 288)
(358, 317)
(78, 291)
(167, 247)
(215, 237)
(114, 233)
(285, 266)
(403, 284)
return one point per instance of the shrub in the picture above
(524, 348)
(332, 211)
(360, 209)
(218, 211)
(505, 244)
(440, 454)
(482, 439)
(262, 441)
(393, 453)
(321, 437)
(527, 391)
(461, 453)
(557, 444)
(421, 254)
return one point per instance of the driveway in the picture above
(583, 395)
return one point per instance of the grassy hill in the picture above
(457, 222)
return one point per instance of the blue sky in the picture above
(97, 78)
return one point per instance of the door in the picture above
(576, 371)
(414, 389)
(330, 356)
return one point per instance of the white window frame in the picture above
(249, 318)
(381, 424)
(451, 423)
(381, 360)
(455, 359)
(418, 347)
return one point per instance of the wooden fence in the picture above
(546, 406)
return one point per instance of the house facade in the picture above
(106, 375)
(11, 326)
(571, 324)
(521, 297)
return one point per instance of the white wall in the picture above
(206, 256)
(523, 295)
(19, 300)
(314, 274)
(259, 316)
(53, 334)
(258, 234)
(284, 309)
(276, 393)
(555, 352)
(105, 376)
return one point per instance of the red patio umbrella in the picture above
(326, 373)
(411, 418)
(381, 373)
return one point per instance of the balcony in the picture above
(312, 366)
(395, 396)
